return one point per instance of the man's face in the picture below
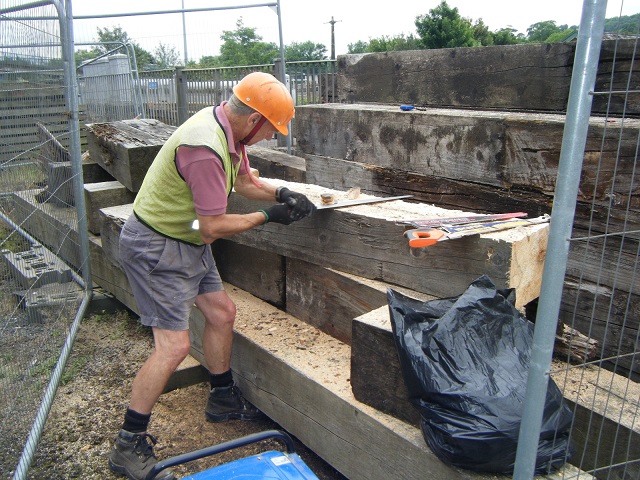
(266, 132)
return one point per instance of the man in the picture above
(169, 263)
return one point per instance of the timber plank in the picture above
(381, 388)
(109, 276)
(367, 241)
(102, 195)
(500, 149)
(274, 164)
(259, 272)
(329, 299)
(530, 77)
(510, 77)
(343, 174)
(52, 225)
(609, 316)
(127, 148)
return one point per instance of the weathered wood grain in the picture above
(374, 247)
(259, 272)
(274, 164)
(329, 299)
(127, 148)
(510, 77)
(504, 150)
(102, 195)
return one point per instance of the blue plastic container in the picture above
(272, 465)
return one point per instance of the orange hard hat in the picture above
(268, 96)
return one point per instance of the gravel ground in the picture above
(88, 410)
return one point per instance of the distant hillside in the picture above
(628, 24)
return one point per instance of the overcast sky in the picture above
(304, 20)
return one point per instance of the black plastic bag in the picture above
(465, 362)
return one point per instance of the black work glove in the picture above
(279, 213)
(301, 206)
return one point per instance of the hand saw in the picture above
(425, 237)
(352, 203)
(443, 221)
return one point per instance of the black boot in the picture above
(132, 455)
(227, 403)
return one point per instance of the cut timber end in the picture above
(528, 255)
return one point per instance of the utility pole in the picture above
(184, 35)
(333, 38)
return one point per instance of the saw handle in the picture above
(423, 237)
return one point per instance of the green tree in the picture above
(358, 47)
(208, 61)
(243, 46)
(166, 56)
(397, 43)
(299, 52)
(443, 27)
(82, 56)
(561, 35)
(481, 34)
(539, 32)
(625, 24)
(113, 38)
(507, 36)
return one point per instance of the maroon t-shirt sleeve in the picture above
(203, 172)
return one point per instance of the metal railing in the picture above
(173, 95)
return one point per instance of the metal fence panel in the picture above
(589, 299)
(42, 256)
(309, 82)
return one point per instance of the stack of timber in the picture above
(490, 161)
(498, 151)
(292, 282)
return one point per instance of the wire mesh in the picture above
(596, 354)
(40, 288)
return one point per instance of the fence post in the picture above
(564, 204)
(278, 71)
(181, 95)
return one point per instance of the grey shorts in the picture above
(165, 275)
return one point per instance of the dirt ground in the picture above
(88, 411)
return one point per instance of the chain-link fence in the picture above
(43, 260)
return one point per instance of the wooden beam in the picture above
(368, 241)
(103, 195)
(259, 272)
(329, 299)
(127, 148)
(504, 150)
(274, 164)
(530, 77)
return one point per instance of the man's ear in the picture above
(254, 118)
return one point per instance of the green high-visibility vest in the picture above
(164, 202)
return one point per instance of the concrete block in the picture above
(36, 266)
